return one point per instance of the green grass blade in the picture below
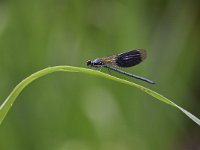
(4, 108)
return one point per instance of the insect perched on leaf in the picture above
(124, 60)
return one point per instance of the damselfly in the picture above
(124, 60)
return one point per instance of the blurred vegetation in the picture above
(76, 111)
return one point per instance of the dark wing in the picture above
(131, 58)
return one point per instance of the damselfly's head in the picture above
(89, 63)
(95, 63)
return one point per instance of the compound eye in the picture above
(89, 63)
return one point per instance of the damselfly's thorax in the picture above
(95, 63)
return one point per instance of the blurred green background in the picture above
(72, 111)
